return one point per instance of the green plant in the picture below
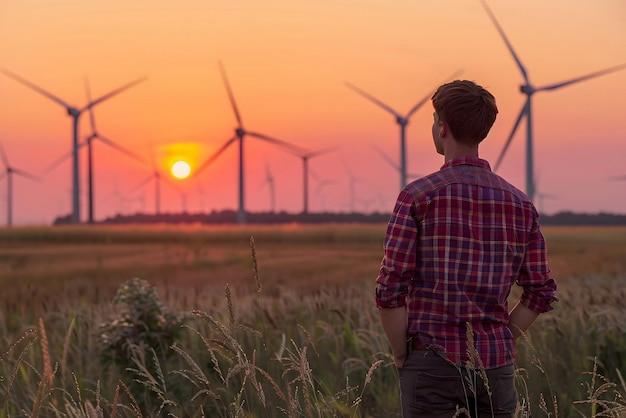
(142, 321)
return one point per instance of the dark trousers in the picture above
(432, 387)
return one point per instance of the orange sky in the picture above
(287, 62)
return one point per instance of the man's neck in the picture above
(459, 150)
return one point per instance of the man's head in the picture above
(467, 109)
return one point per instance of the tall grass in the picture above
(270, 349)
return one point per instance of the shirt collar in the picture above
(467, 161)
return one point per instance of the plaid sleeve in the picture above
(399, 260)
(538, 288)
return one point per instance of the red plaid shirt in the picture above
(456, 242)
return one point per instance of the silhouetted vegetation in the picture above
(230, 217)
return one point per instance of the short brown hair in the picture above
(467, 108)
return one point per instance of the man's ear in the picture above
(443, 129)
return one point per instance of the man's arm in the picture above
(395, 325)
(520, 319)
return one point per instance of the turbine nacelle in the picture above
(240, 132)
(402, 120)
(527, 89)
(72, 111)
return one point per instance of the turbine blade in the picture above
(113, 93)
(3, 155)
(618, 178)
(141, 184)
(373, 99)
(582, 78)
(35, 87)
(121, 149)
(231, 97)
(320, 152)
(64, 157)
(3, 175)
(213, 157)
(292, 148)
(386, 158)
(26, 175)
(506, 41)
(92, 118)
(508, 141)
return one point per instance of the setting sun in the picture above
(181, 169)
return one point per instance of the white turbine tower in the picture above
(8, 173)
(240, 134)
(75, 114)
(529, 89)
(95, 135)
(402, 120)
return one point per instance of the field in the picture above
(283, 323)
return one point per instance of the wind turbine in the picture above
(306, 156)
(96, 135)
(158, 177)
(8, 173)
(352, 180)
(541, 196)
(321, 183)
(392, 163)
(240, 134)
(402, 120)
(75, 113)
(269, 180)
(529, 89)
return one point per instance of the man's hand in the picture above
(395, 325)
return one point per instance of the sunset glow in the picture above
(288, 63)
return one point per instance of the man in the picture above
(456, 242)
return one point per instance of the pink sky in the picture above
(287, 62)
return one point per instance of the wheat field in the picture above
(265, 321)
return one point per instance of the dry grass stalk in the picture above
(474, 355)
(308, 338)
(368, 379)
(133, 403)
(42, 391)
(66, 349)
(17, 341)
(16, 368)
(305, 374)
(231, 310)
(45, 351)
(116, 398)
(255, 266)
(90, 411)
(273, 383)
(461, 412)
